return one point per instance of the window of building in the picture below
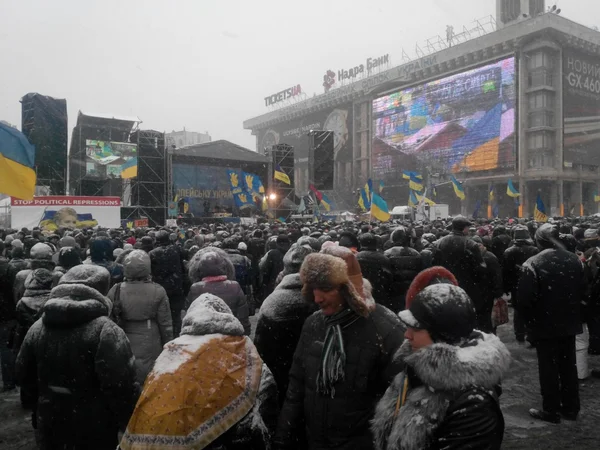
(541, 119)
(539, 160)
(511, 9)
(540, 58)
(536, 7)
(540, 100)
(539, 140)
(540, 77)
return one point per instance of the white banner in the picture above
(53, 212)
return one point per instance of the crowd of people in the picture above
(368, 335)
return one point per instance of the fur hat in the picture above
(325, 271)
(354, 271)
(293, 259)
(433, 275)
(41, 251)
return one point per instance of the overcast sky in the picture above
(207, 64)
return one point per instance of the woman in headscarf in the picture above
(344, 359)
(447, 396)
(141, 309)
(209, 388)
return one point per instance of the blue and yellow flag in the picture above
(234, 181)
(281, 175)
(281, 220)
(539, 212)
(381, 187)
(379, 208)
(412, 199)
(325, 203)
(511, 191)
(421, 198)
(242, 199)
(596, 197)
(416, 182)
(17, 161)
(491, 195)
(458, 187)
(130, 168)
(364, 201)
(369, 189)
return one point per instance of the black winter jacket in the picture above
(514, 258)
(7, 304)
(406, 265)
(550, 292)
(278, 328)
(376, 268)
(76, 372)
(500, 244)
(270, 266)
(341, 422)
(168, 270)
(243, 269)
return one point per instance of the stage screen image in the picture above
(462, 123)
(108, 159)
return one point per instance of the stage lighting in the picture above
(273, 196)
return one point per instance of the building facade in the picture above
(521, 103)
(185, 138)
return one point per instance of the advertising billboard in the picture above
(581, 108)
(295, 133)
(53, 212)
(206, 188)
(106, 159)
(461, 123)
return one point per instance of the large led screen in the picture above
(461, 123)
(581, 108)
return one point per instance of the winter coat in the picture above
(7, 305)
(101, 253)
(451, 401)
(513, 260)
(230, 292)
(168, 271)
(209, 330)
(549, 294)
(29, 309)
(243, 269)
(21, 277)
(278, 328)
(500, 244)
(141, 308)
(406, 264)
(76, 372)
(341, 422)
(462, 257)
(376, 268)
(492, 289)
(270, 266)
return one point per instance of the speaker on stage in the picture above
(321, 159)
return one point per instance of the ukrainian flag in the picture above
(130, 168)
(369, 189)
(596, 197)
(458, 187)
(281, 175)
(17, 160)
(421, 198)
(539, 212)
(379, 208)
(381, 186)
(416, 182)
(412, 199)
(326, 203)
(491, 194)
(364, 200)
(511, 191)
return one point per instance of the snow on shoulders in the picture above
(179, 351)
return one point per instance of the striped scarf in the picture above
(333, 358)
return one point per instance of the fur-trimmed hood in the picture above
(74, 304)
(445, 371)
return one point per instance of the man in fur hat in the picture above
(343, 361)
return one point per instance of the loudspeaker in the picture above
(321, 158)
(149, 189)
(44, 123)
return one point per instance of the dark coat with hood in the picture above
(141, 309)
(376, 268)
(452, 397)
(406, 264)
(340, 420)
(278, 328)
(512, 262)
(76, 368)
(213, 273)
(29, 309)
(168, 270)
(550, 292)
(270, 266)
(243, 268)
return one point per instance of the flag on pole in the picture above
(265, 204)
(17, 160)
(381, 186)
(369, 189)
(281, 175)
(325, 203)
(477, 209)
(130, 168)
(302, 206)
(315, 191)
(511, 191)
(539, 212)
(379, 208)
(423, 199)
(412, 199)
(458, 187)
(491, 195)
(416, 182)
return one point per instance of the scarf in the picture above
(333, 358)
(215, 279)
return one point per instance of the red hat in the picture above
(433, 275)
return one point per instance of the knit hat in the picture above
(41, 251)
(67, 241)
(347, 239)
(323, 271)
(547, 235)
(293, 259)
(521, 233)
(96, 277)
(69, 257)
(242, 247)
(444, 310)
(433, 275)
(136, 265)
